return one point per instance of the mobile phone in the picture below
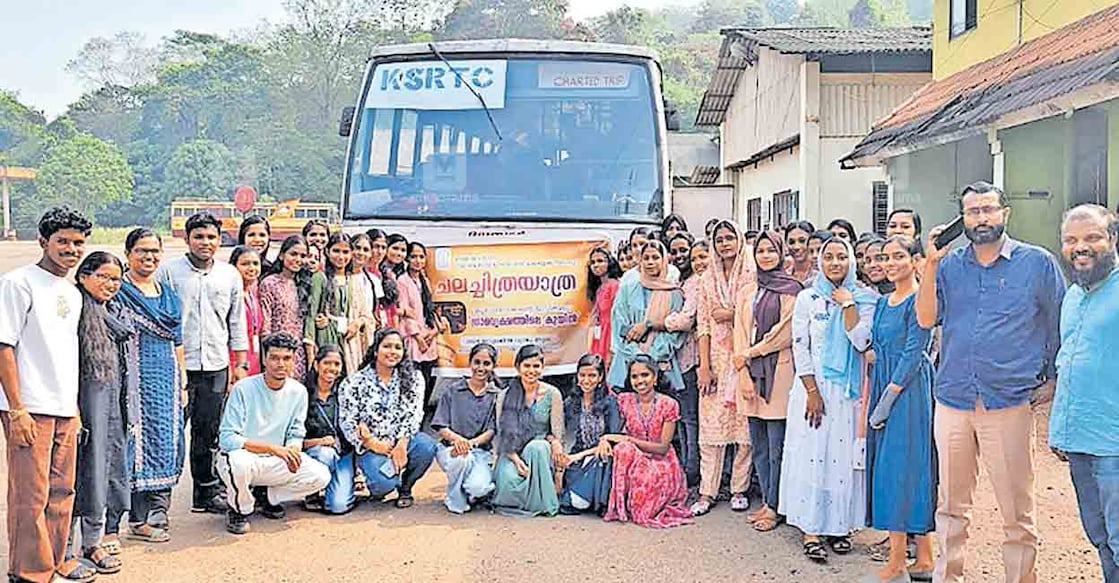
(388, 469)
(950, 233)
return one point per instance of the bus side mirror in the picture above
(347, 122)
(671, 117)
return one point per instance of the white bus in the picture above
(510, 160)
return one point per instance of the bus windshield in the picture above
(510, 138)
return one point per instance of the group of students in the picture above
(309, 380)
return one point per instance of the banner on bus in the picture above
(509, 296)
(435, 85)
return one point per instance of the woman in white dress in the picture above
(823, 490)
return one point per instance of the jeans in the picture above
(205, 397)
(1096, 480)
(688, 427)
(469, 477)
(768, 439)
(339, 495)
(421, 452)
(148, 505)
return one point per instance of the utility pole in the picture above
(7, 175)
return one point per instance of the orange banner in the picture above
(511, 295)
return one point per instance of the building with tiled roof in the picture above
(789, 102)
(1039, 119)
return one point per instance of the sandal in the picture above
(840, 545)
(105, 563)
(75, 570)
(405, 501)
(111, 544)
(158, 519)
(815, 551)
(767, 523)
(147, 533)
(739, 503)
(702, 506)
(880, 551)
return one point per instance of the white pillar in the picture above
(811, 207)
(999, 164)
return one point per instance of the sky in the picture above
(38, 37)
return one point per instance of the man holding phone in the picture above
(261, 439)
(998, 302)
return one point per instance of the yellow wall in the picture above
(999, 24)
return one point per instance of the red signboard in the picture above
(244, 198)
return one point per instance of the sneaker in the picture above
(214, 505)
(238, 523)
(266, 508)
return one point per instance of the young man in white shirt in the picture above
(39, 312)
(262, 429)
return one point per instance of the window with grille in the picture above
(880, 206)
(754, 214)
(785, 208)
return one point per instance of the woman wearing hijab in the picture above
(637, 319)
(763, 342)
(721, 422)
(822, 486)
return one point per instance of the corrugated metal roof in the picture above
(1070, 58)
(739, 50)
(704, 175)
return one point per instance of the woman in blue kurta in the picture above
(637, 319)
(158, 450)
(901, 460)
(529, 440)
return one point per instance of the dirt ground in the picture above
(426, 543)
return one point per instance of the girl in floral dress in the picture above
(284, 298)
(648, 486)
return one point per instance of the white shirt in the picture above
(39, 314)
(213, 311)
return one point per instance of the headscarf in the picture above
(772, 284)
(841, 362)
(728, 284)
(660, 290)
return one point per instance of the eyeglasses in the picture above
(147, 251)
(978, 211)
(105, 278)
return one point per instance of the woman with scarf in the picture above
(823, 485)
(589, 412)
(638, 318)
(721, 422)
(763, 357)
(900, 454)
(159, 443)
(529, 440)
(107, 403)
(384, 282)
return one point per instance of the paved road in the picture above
(425, 543)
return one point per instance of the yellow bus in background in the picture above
(285, 218)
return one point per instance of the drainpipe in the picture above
(998, 163)
(1021, 7)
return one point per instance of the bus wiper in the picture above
(478, 96)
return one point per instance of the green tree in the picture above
(201, 169)
(879, 13)
(782, 11)
(626, 25)
(122, 61)
(21, 131)
(713, 15)
(476, 19)
(85, 172)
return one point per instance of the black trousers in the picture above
(205, 398)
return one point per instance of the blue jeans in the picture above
(768, 439)
(339, 495)
(469, 477)
(421, 452)
(1096, 480)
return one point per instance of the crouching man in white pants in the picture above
(261, 439)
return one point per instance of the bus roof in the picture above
(514, 45)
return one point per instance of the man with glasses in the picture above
(998, 301)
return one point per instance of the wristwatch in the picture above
(847, 304)
(243, 365)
